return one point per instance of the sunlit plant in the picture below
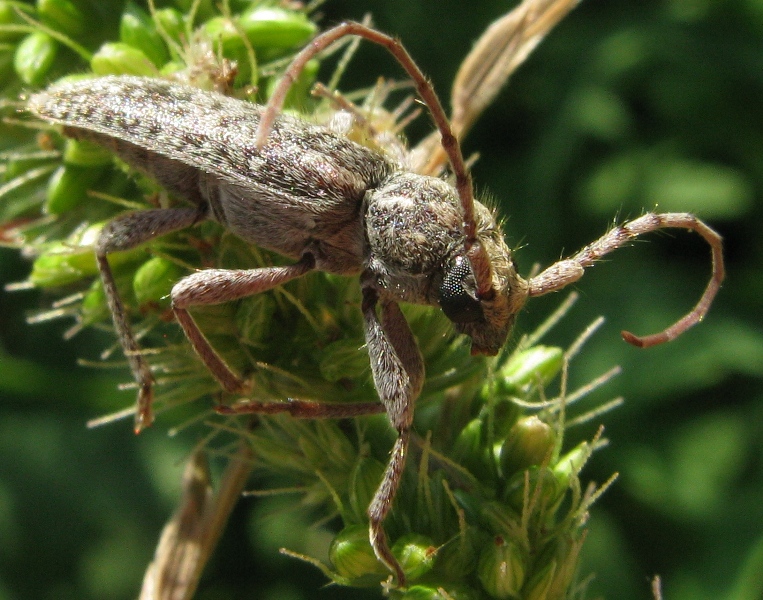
(491, 503)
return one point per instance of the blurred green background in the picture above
(628, 105)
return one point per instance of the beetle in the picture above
(332, 205)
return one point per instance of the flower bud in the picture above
(276, 28)
(68, 187)
(501, 569)
(94, 308)
(471, 452)
(18, 167)
(59, 266)
(530, 442)
(503, 417)
(137, 29)
(221, 30)
(440, 592)
(62, 263)
(154, 279)
(352, 555)
(34, 56)
(415, 553)
(83, 153)
(527, 370)
(540, 480)
(497, 516)
(118, 58)
(170, 21)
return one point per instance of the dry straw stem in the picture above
(190, 536)
(503, 46)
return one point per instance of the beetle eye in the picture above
(457, 302)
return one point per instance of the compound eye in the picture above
(457, 302)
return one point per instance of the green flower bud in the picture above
(501, 569)
(59, 266)
(68, 187)
(137, 29)
(94, 307)
(343, 359)
(498, 516)
(34, 56)
(530, 442)
(61, 15)
(526, 371)
(501, 415)
(352, 556)
(154, 279)
(118, 58)
(171, 22)
(276, 28)
(83, 153)
(364, 481)
(471, 452)
(18, 167)
(62, 263)
(543, 477)
(432, 592)
(415, 553)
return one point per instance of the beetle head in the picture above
(481, 291)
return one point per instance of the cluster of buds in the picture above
(57, 193)
(490, 504)
(492, 508)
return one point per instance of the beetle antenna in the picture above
(567, 271)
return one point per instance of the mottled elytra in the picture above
(332, 205)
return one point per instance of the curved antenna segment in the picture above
(567, 271)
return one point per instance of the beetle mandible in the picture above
(332, 205)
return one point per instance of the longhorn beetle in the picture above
(332, 205)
